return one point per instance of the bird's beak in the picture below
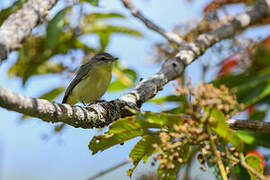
(115, 59)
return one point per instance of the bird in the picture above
(91, 80)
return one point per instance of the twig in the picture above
(217, 154)
(170, 36)
(253, 171)
(256, 126)
(109, 170)
(103, 113)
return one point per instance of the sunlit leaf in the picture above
(119, 132)
(222, 129)
(55, 27)
(254, 162)
(112, 29)
(169, 98)
(143, 150)
(117, 86)
(4, 13)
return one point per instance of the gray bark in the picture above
(19, 25)
(101, 114)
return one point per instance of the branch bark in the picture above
(103, 113)
(20, 24)
(249, 125)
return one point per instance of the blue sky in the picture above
(24, 154)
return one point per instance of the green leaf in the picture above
(92, 2)
(169, 98)
(119, 132)
(117, 86)
(254, 162)
(55, 27)
(8, 11)
(161, 120)
(130, 73)
(223, 130)
(254, 138)
(95, 16)
(112, 29)
(143, 150)
(104, 39)
(258, 115)
(52, 94)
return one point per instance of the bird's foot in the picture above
(94, 102)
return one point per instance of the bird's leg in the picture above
(97, 101)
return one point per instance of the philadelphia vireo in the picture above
(91, 81)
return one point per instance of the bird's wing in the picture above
(80, 74)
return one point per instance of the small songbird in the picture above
(91, 81)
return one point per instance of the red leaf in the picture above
(267, 42)
(251, 109)
(257, 153)
(229, 64)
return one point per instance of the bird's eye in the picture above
(103, 58)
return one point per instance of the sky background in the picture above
(30, 150)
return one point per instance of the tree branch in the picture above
(170, 36)
(20, 24)
(249, 125)
(103, 113)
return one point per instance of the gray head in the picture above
(104, 57)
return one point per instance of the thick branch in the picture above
(170, 36)
(103, 113)
(256, 126)
(20, 24)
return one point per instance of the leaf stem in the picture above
(217, 154)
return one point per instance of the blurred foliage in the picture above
(172, 136)
(4, 13)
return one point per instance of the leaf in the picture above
(254, 162)
(52, 94)
(130, 73)
(223, 130)
(254, 138)
(8, 11)
(92, 2)
(34, 56)
(95, 16)
(104, 39)
(143, 150)
(161, 120)
(55, 27)
(117, 86)
(112, 29)
(258, 115)
(169, 98)
(119, 132)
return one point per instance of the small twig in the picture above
(109, 170)
(255, 126)
(253, 171)
(217, 154)
(170, 36)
